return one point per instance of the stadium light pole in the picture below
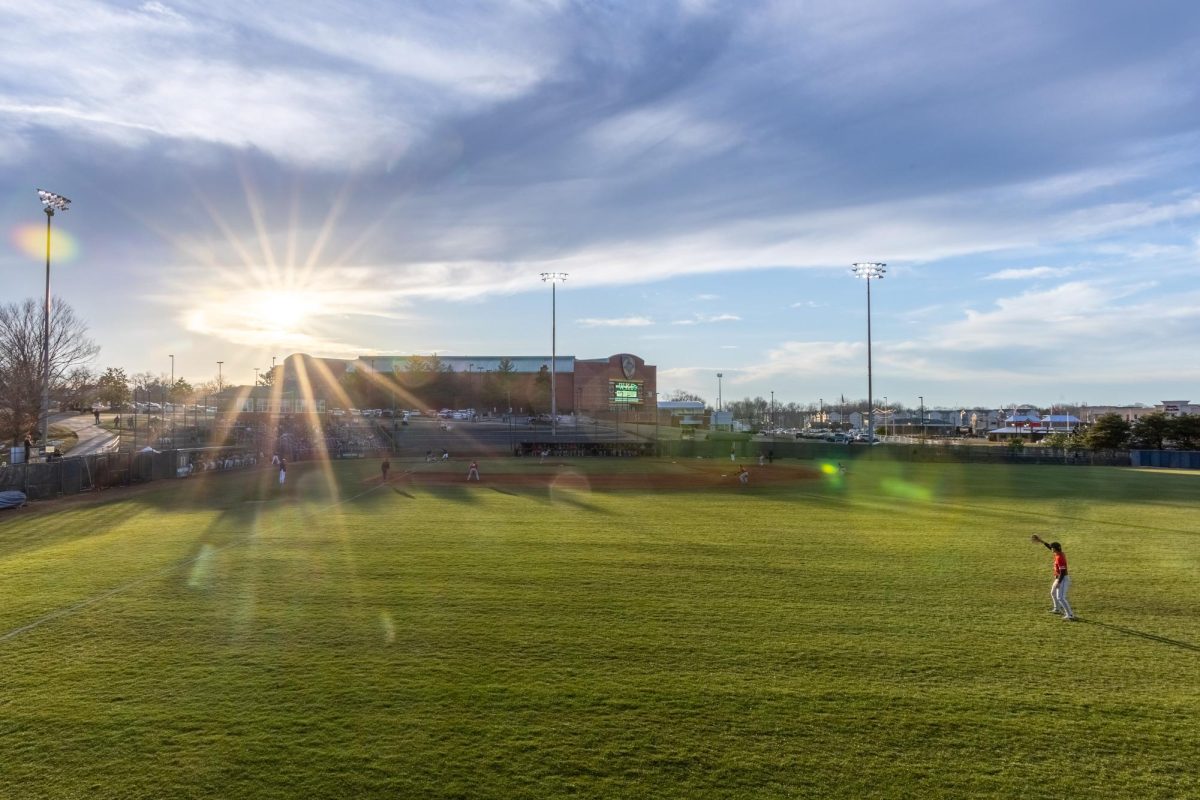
(51, 202)
(171, 397)
(220, 379)
(887, 411)
(869, 270)
(772, 420)
(553, 278)
(719, 376)
(921, 397)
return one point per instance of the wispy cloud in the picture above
(704, 319)
(1029, 273)
(616, 322)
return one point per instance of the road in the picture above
(92, 438)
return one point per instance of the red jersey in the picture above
(1060, 564)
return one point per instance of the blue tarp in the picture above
(12, 499)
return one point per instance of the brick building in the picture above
(597, 385)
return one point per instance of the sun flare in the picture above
(286, 310)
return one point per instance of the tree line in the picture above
(1149, 432)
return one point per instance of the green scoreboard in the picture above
(625, 392)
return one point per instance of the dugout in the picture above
(586, 449)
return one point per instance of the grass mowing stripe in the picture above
(91, 601)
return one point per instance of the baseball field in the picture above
(607, 628)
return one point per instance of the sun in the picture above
(285, 310)
(256, 289)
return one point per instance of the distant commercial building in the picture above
(1177, 408)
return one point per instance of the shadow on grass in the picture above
(570, 500)
(454, 494)
(1142, 634)
(403, 493)
(46, 530)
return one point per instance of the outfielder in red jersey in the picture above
(1062, 580)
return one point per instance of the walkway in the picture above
(92, 438)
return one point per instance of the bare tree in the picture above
(21, 365)
(78, 389)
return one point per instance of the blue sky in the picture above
(252, 180)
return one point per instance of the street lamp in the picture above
(553, 278)
(868, 270)
(51, 202)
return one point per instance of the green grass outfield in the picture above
(882, 635)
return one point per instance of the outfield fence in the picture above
(750, 450)
(44, 480)
(1169, 459)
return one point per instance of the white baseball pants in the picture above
(1058, 595)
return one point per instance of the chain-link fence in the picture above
(44, 480)
(953, 454)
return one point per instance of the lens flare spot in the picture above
(31, 240)
(909, 491)
(829, 469)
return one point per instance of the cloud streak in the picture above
(1028, 273)
(616, 322)
(705, 319)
